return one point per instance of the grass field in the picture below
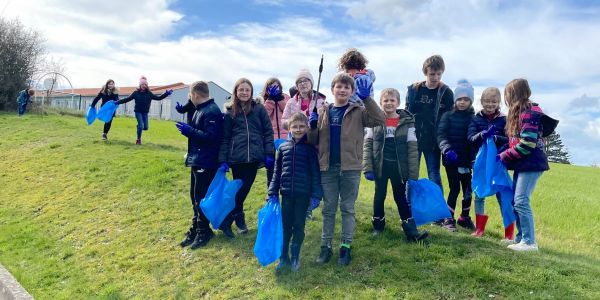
(83, 218)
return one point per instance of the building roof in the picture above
(122, 90)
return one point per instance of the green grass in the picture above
(83, 218)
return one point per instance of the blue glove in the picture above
(314, 203)
(363, 87)
(269, 161)
(116, 102)
(179, 108)
(273, 199)
(274, 93)
(491, 131)
(224, 167)
(313, 119)
(184, 128)
(451, 156)
(169, 92)
(369, 175)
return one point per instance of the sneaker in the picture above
(345, 257)
(283, 264)
(309, 216)
(466, 222)
(227, 231)
(376, 232)
(449, 224)
(522, 246)
(295, 264)
(138, 142)
(325, 255)
(104, 137)
(507, 242)
(202, 239)
(438, 223)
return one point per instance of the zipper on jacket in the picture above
(247, 134)
(293, 166)
(277, 120)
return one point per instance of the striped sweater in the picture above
(525, 152)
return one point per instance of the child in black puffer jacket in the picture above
(297, 176)
(452, 139)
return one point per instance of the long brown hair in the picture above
(238, 106)
(269, 82)
(106, 91)
(516, 98)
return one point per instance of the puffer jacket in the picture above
(356, 118)
(407, 154)
(480, 123)
(525, 152)
(105, 98)
(275, 111)
(296, 171)
(207, 125)
(452, 135)
(23, 96)
(294, 105)
(143, 99)
(247, 138)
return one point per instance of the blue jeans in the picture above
(142, 123)
(524, 183)
(22, 108)
(432, 160)
(480, 204)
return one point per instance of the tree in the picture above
(555, 150)
(21, 51)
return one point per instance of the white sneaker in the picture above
(507, 242)
(522, 246)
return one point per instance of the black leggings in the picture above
(200, 179)
(455, 181)
(247, 173)
(293, 215)
(390, 172)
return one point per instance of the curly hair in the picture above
(352, 59)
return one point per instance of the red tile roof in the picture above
(122, 90)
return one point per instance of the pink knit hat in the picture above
(143, 80)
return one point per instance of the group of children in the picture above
(328, 145)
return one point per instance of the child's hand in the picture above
(363, 87)
(183, 128)
(274, 93)
(179, 108)
(269, 161)
(369, 175)
(491, 131)
(169, 92)
(224, 167)
(313, 119)
(451, 157)
(273, 198)
(314, 203)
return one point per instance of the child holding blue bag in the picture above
(202, 156)
(108, 93)
(487, 123)
(456, 158)
(298, 178)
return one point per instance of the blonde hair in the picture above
(435, 63)
(516, 97)
(236, 105)
(200, 88)
(298, 117)
(391, 92)
(490, 91)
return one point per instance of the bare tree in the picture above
(21, 50)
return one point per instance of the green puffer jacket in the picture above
(406, 148)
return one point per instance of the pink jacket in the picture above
(276, 116)
(294, 105)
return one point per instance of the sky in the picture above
(553, 44)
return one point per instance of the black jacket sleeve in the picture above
(212, 128)
(276, 181)
(131, 97)
(96, 99)
(442, 133)
(154, 97)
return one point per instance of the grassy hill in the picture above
(83, 218)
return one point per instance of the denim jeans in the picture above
(480, 204)
(432, 160)
(524, 183)
(142, 123)
(22, 108)
(339, 187)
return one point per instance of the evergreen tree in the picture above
(555, 149)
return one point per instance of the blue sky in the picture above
(551, 43)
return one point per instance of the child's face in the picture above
(463, 103)
(298, 129)
(389, 104)
(490, 103)
(304, 86)
(433, 77)
(342, 92)
(111, 85)
(244, 92)
(144, 86)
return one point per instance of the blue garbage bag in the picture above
(278, 143)
(220, 198)
(491, 177)
(106, 112)
(90, 115)
(426, 201)
(269, 239)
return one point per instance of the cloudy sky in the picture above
(554, 44)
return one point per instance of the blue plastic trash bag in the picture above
(426, 201)
(90, 115)
(220, 198)
(106, 112)
(278, 143)
(490, 177)
(269, 239)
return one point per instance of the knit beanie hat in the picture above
(305, 73)
(464, 89)
(143, 80)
